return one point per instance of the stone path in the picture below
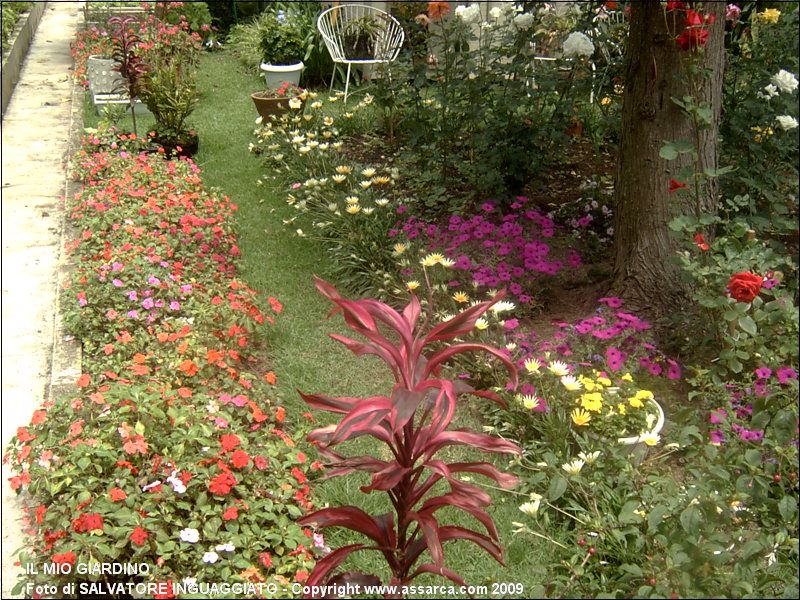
(36, 132)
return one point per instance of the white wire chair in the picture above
(333, 26)
(609, 48)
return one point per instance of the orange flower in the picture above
(184, 392)
(84, 380)
(280, 414)
(117, 494)
(140, 369)
(270, 378)
(188, 367)
(39, 417)
(437, 10)
(135, 444)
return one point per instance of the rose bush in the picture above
(170, 451)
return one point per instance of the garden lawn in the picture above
(302, 355)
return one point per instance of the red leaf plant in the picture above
(412, 421)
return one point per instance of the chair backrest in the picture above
(333, 26)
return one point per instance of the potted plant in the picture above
(170, 92)
(129, 63)
(282, 46)
(359, 37)
(275, 101)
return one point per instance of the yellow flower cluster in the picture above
(770, 15)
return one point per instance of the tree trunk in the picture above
(656, 72)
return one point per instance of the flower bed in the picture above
(170, 453)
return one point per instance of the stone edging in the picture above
(67, 355)
(19, 43)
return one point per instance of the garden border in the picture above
(19, 44)
(67, 357)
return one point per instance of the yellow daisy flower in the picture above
(580, 417)
(461, 297)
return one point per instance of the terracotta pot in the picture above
(270, 105)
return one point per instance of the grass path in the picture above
(280, 264)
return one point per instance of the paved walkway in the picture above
(36, 133)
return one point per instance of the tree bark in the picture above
(656, 72)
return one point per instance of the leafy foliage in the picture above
(412, 421)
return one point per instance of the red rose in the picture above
(700, 240)
(744, 287)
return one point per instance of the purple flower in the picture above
(611, 301)
(655, 369)
(133, 314)
(763, 372)
(785, 374)
(153, 280)
(717, 437)
(117, 266)
(132, 296)
(614, 358)
(401, 209)
(674, 370)
(716, 417)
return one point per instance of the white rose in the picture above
(523, 21)
(495, 12)
(469, 14)
(578, 44)
(786, 81)
(786, 122)
(771, 92)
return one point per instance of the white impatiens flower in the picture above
(523, 21)
(578, 44)
(189, 535)
(786, 122)
(177, 484)
(785, 81)
(228, 547)
(210, 557)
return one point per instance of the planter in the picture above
(270, 105)
(634, 445)
(278, 74)
(103, 78)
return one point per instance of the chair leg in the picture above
(333, 77)
(347, 82)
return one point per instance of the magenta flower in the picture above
(117, 266)
(511, 324)
(732, 12)
(763, 372)
(612, 301)
(785, 374)
(117, 282)
(132, 295)
(716, 436)
(655, 369)
(716, 417)
(674, 370)
(148, 303)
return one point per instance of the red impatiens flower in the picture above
(87, 522)
(675, 5)
(188, 367)
(117, 494)
(230, 514)
(240, 459)
(265, 559)
(298, 475)
(745, 286)
(229, 441)
(221, 484)
(134, 444)
(67, 558)
(84, 380)
(41, 510)
(139, 536)
(39, 417)
(674, 185)
(23, 435)
(164, 590)
(700, 240)
(260, 462)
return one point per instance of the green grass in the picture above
(278, 263)
(281, 264)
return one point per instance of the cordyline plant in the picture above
(129, 64)
(412, 421)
